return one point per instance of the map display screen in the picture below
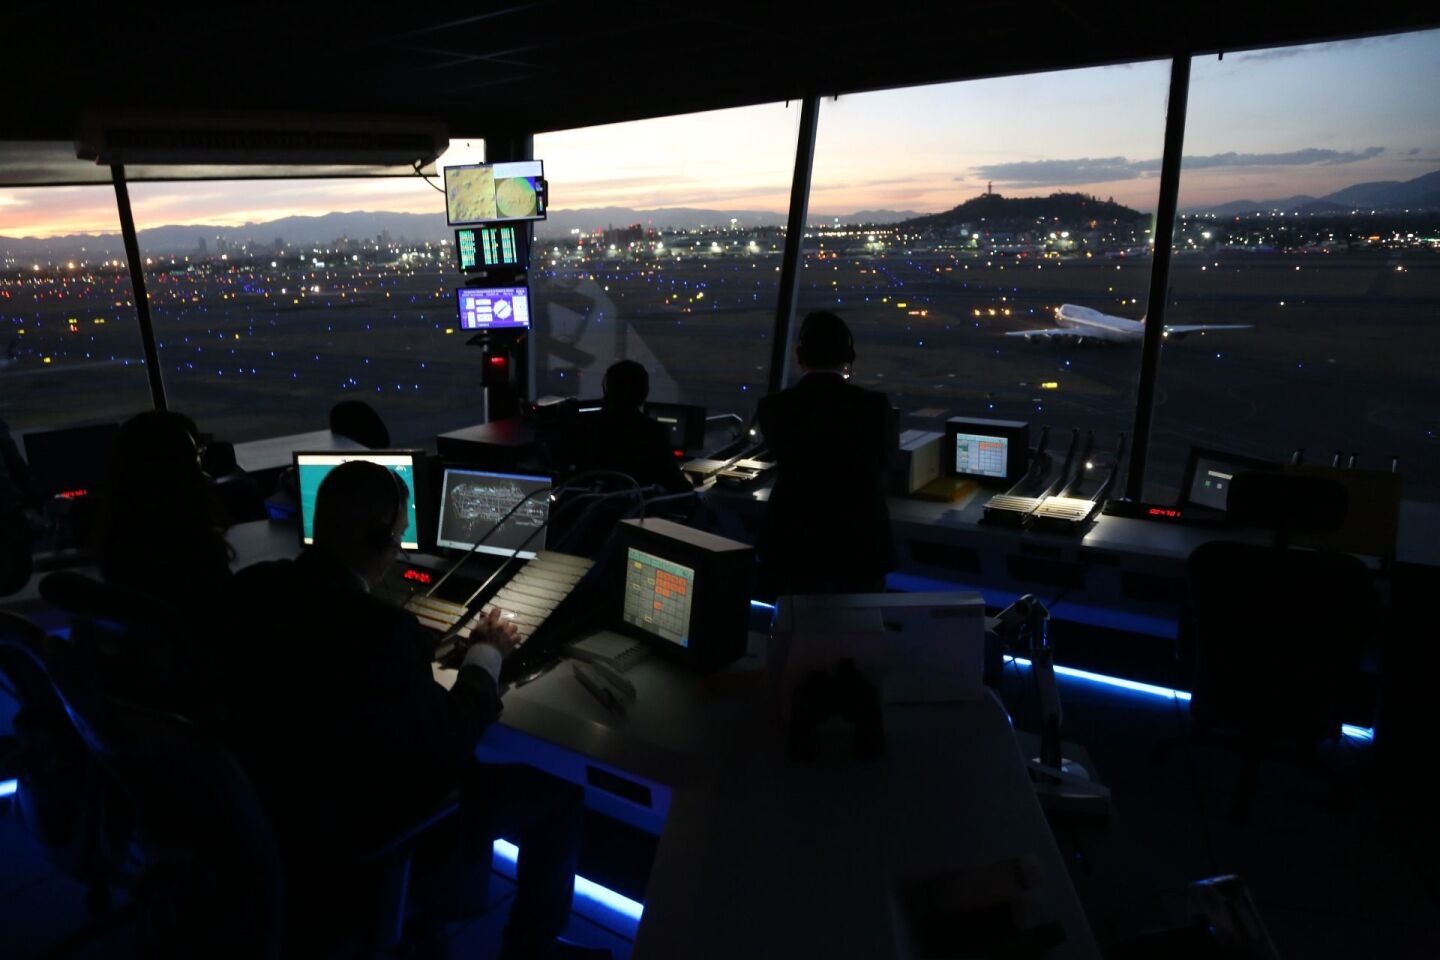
(473, 501)
(490, 192)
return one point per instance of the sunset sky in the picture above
(1265, 125)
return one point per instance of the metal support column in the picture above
(794, 240)
(137, 285)
(1164, 237)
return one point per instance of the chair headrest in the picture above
(1287, 502)
(219, 459)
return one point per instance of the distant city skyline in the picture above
(1264, 125)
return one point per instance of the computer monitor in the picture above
(684, 591)
(1208, 474)
(472, 502)
(492, 308)
(492, 247)
(311, 469)
(492, 192)
(73, 462)
(683, 422)
(994, 452)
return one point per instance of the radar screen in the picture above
(472, 502)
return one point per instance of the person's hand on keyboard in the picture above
(497, 631)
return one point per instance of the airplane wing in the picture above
(1053, 333)
(1176, 331)
(1070, 333)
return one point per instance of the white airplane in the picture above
(1083, 323)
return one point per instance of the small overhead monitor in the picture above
(311, 469)
(684, 591)
(72, 462)
(1208, 475)
(501, 247)
(493, 308)
(994, 452)
(472, 502)
(495, 192)
(684, 424)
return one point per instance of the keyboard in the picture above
(526, 600)
(1006, 507)
(1065, 511)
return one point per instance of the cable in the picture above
(417, 165)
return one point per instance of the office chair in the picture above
(16, 552)
(1278, 631)
(238, 493)
(358, 421)
(69, 804)
(134, 643)
(207, 875)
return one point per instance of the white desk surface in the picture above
(276, 452)
(773, 858)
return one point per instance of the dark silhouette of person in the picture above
(161, 527)
(162, 535)
(334, 712)
(827, 528)
(623, 438)
(16, 502)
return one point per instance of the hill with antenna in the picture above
(998, 212)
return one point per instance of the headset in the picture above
(381, 535)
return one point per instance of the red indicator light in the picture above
(418, 576)
(73, 494)
(497, 361)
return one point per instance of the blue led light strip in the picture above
(1135, 686)
(602, 905)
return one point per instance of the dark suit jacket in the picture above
(828, 527)
(629, 441)
(332, 708)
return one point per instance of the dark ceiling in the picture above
(515, 67)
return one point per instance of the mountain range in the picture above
(306, 231)
(1421, 193)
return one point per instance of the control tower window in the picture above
(663, 245)
(950, 222)
(272, 301)
(1307, 216)
(70, 351)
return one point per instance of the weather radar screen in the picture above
(472, 502)
(658, 595)
(491, 192)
